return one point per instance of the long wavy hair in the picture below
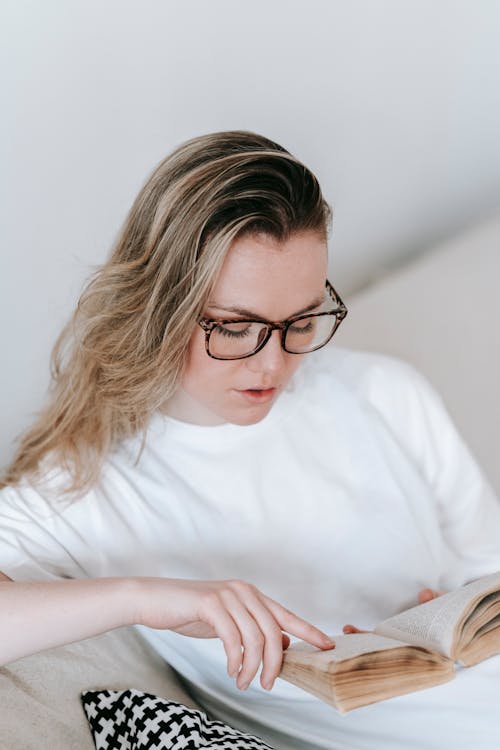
(122, 353)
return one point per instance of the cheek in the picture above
(198, 360)
(204, 374)
(197, 356)
(294, 362)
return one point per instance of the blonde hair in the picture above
(122, 353)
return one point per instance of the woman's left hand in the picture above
(424, 595)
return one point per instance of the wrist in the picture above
(130, 594)
(139, 599)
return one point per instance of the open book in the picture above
(415, 649)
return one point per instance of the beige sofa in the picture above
(40, 695)
(442, 313)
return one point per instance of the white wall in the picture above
(393, 103)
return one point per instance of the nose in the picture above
(271, 359)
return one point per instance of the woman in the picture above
(231, 472)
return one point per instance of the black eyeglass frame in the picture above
(208, 324)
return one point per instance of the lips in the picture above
(257, 395)
(259, 388)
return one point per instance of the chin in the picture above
(251, 417)
(245, 421)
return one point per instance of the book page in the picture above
(491, 625)
(432, 625)
(346, 647)
(485, 611)
(485, 604)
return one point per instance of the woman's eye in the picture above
(307, 328)
(233, 330)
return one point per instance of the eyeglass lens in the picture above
(241, 338)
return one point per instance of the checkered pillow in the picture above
(131, 720)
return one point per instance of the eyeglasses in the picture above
(237, 339)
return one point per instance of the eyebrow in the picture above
(248, 313)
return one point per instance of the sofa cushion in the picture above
(129, 719)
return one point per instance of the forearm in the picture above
(38, 616)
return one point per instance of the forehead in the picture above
(272, 278)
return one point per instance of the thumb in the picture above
(425, 595)
(286, 640)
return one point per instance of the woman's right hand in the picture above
(233, 610)
(424, 595)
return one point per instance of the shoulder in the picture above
(43, 499)
(38, 502)
(50, 497)
(398, 397)
(392, 392)
(379, 379)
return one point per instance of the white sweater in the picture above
(351, 495)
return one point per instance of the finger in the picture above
(286, 641)
(252, 636)
(274, 639)
(353, 629)
(426, 595)
(227, 630)
(296, 625)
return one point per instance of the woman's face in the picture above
(271, 280)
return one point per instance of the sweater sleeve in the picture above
(468, 509)
(34, 543)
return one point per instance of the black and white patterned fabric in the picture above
(132, 720)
